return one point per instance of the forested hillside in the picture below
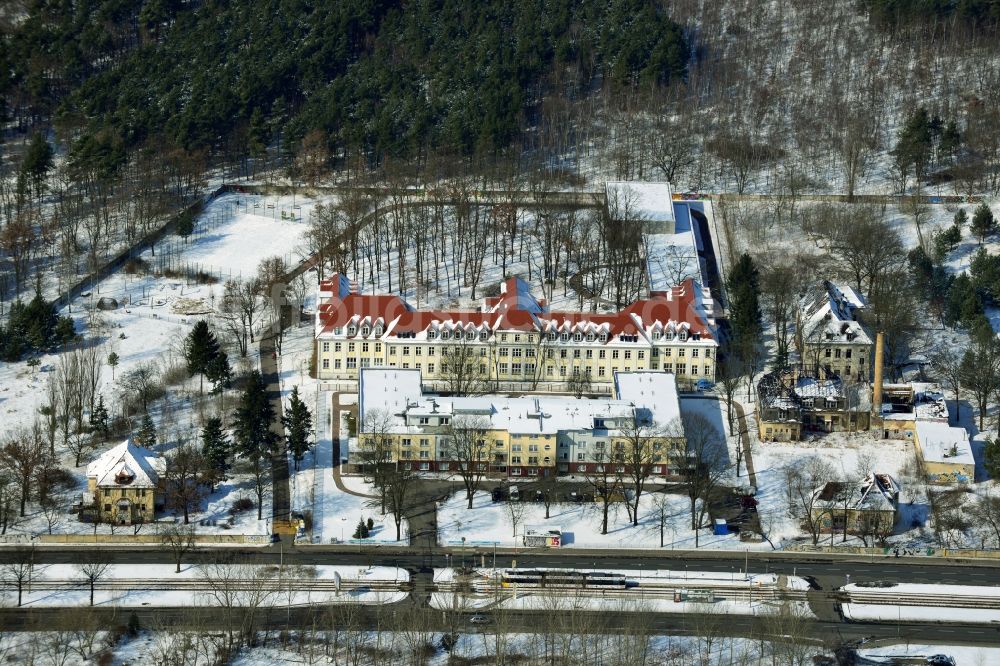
(375, 76)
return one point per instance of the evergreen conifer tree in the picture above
(99, 417)
(298, 424)
(253, 437)
(146, 435)
(983, 222)
(216, 447)
(961, 218)
(219, 372)
(200, 349)
(743, 286)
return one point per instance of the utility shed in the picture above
(945, 453)
(649, 203)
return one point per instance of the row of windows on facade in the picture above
(484, 335)
(518, 352)
(141, 492)
(533, 471)
(499, 443)
(835, 353)
(517, 368)
(107, 508)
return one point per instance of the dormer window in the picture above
(682, 336)
(550, 336)
(590, 337)
(445, 335)
(604, 337)
(378, 331)
(484, 335)
(578, 337)
(338, 330)
(564, 337)
(352, 330)
(668, 335)
(471, 335)
(431, 335)
(656, 335)
(366, 331)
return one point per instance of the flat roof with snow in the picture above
(942, 443)
(650, 396)
(653, 202)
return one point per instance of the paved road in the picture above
(280, 493)
(822, 567)
(399, 617)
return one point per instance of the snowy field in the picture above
(131, 585)
(148, 327)
(488, 523)
(361, 648)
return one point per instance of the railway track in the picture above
(196, 585)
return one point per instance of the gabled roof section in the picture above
(127, 465)
(686, 307)
(876, 492)
(830, 314)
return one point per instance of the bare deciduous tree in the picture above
(92, 572)
(466, 446)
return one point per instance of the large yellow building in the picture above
(830, 339)
(514, 342)
(126, 484)
(519, 436)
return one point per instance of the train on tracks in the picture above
(544, 578)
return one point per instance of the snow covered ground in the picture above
(148, 327)
(964, 655)
(156, 584)
(652, 591)
(335, 513)
(871, 609)
(488, 523)
(358, 647)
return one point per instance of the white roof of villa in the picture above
(127, 465)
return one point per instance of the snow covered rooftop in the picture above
(127, 465)
(649, 396)
(653, 202)
(876, 492)
(344, 313)
(830, 313)
(810, 387)
(942, 443)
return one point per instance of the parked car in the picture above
(514, 493)
(479, 619)
(497, 494)
(704, 385)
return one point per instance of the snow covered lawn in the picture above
(897, 613)
(488, 523)
(962, 654)
(157, 584)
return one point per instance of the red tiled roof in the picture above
(514, 309)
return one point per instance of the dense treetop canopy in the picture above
(386, 77)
